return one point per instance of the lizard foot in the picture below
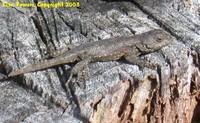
(82, 76)
(80, 80)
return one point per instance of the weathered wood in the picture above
(114, 91)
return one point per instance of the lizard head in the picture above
(154, 40)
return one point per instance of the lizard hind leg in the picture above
(58, 52)
(77, 69)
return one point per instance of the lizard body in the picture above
(130, 48)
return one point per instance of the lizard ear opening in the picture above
(158, 39)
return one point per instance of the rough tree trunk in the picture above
(114, 91)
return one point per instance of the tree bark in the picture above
(114, 91)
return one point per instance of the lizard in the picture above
(130, 48)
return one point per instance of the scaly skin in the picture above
(129, 48)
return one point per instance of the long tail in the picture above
(39, 66)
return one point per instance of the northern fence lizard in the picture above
(128, 48)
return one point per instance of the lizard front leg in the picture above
(77, 69)
(135, 59)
